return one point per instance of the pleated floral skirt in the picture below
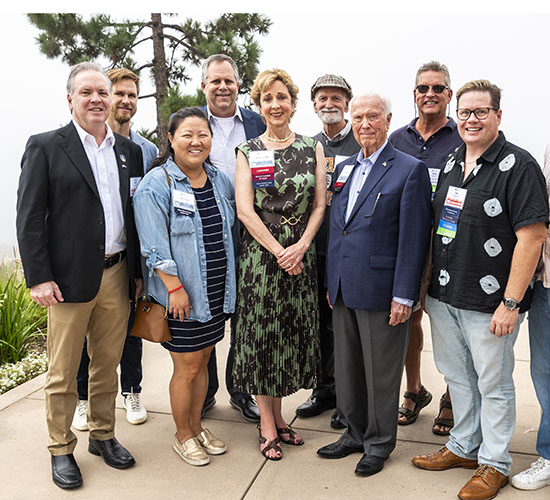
(277, 334)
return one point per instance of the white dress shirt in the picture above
(105, 169)
(227, 134)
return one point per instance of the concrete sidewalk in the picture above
(242, 472)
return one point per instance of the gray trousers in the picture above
(369, 357)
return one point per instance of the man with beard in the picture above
(123, 108)
(331, 95)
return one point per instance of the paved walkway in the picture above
(242, 473)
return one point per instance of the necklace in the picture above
(279, 140)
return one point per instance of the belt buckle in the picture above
(291, 221)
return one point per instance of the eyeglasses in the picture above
(480, 113)
(422, 89)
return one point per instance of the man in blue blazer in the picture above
(231, 125)
(379, 235)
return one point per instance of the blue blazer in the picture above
(252, 121)
(381, 251)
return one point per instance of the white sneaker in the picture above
(135, 411)
(535, 477)
(80, 417)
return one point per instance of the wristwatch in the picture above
(510, 303)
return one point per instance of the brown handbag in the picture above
(151, 322)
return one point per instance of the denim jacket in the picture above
(182, 254)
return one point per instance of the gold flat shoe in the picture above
(211, 444)
(191, 451)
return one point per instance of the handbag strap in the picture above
(169, 181)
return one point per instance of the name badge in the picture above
(434, 177)
(262, 165)
(343, 177)
(454, 202)
(184, 203)
(134, 183)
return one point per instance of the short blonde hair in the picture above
(266, 78)
(481, 86)
(117, 74)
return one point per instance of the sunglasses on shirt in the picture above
(422, 89)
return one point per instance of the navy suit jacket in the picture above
(381, 251)
(252, 121)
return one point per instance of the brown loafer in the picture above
(484, 485)
(442, 460)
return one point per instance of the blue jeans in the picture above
(539, 341)
(478, 368)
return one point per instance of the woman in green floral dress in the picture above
(280, 193)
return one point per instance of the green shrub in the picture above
(21, 320)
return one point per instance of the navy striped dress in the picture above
(189, 336)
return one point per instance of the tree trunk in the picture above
(161, 77)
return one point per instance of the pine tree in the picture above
(174, 47)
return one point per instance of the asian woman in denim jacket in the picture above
(185, 211)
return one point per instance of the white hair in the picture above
(384, 100)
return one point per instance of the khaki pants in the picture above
(104, 320)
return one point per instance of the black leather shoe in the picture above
(337, 450)
(208, 405)
(337, 420)
(65, 472)
(369, 465)
(113, 453)
(247, 406)
(315, 406)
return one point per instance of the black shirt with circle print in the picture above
(505, 191)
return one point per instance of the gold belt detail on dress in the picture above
(291, 221)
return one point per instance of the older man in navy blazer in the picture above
(379, 237)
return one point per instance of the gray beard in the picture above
(330, 118)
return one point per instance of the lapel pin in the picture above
(123, 159)
(384, 164)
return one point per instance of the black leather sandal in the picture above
(269, 445)
(292, 436)
(443, 422)
(421, 400)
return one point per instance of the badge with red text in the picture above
(262, 166)
(454, 202)
(343, 177)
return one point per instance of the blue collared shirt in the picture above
(148, 149)
(359, 176)
(178, 249)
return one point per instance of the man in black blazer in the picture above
(79, 249)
